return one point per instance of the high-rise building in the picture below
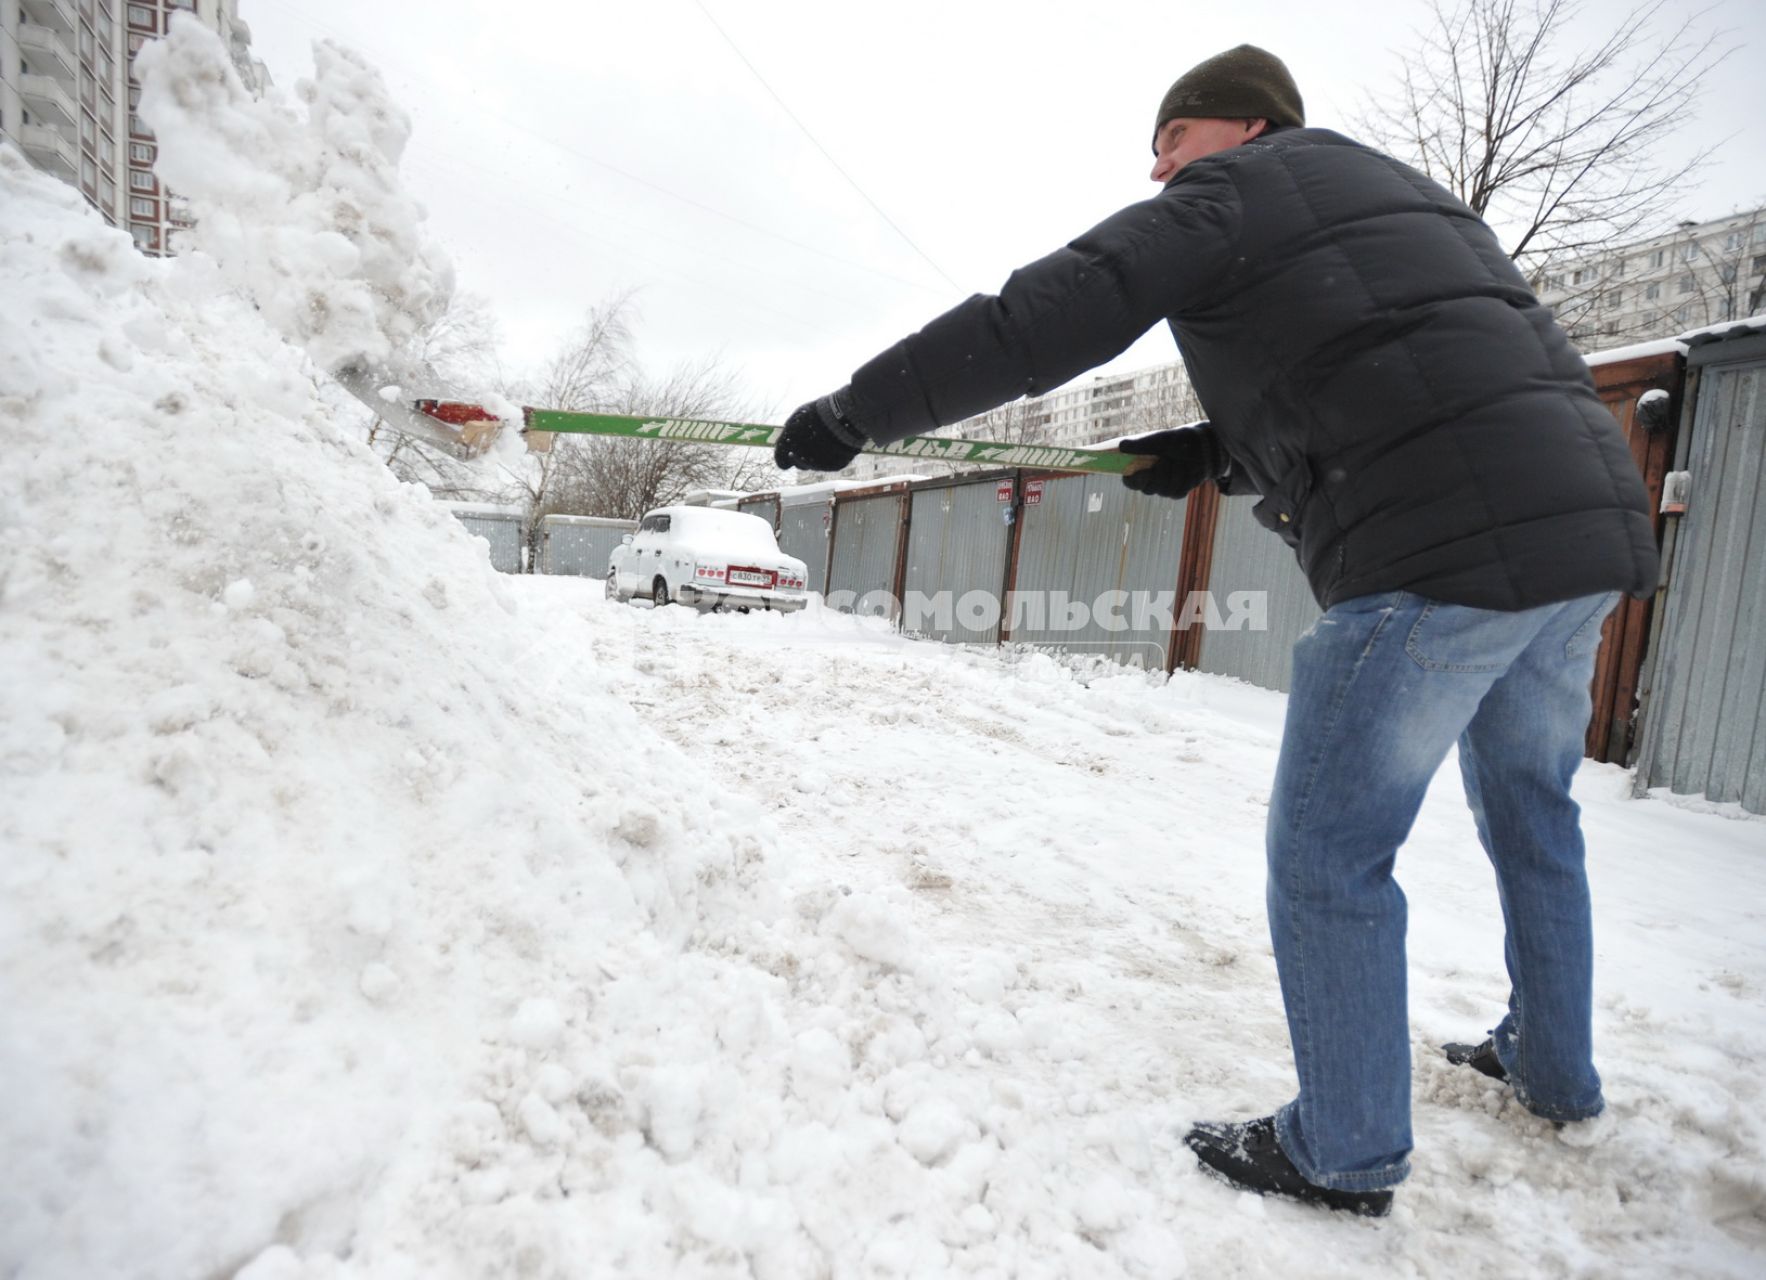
(1700, 273)
(68, 97)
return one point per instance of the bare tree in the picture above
(1558, 147)
(624, 478)
(588, 372)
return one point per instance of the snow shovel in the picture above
(468, 430)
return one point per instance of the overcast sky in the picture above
(589, 146)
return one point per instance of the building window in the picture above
(1687, 284)
(1682, 316)
(137, 128)
(1688, 252)
(1652, 292)
(146, 237)
(140, 16)
(88, 130)
(1554, 282)
(1726, 273)
(1613, 299)
(1759, 263)
(140, 180)
(1733, 241)
(1658, 258)
(142, 208)
(141, 153)
(1580, 276)
(1619, 269)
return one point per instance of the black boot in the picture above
(1247, 1155)
(1479, 1057)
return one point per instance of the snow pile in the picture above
(301, 209)
(345, 910)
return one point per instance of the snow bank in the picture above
(346, 910)
(300, 208)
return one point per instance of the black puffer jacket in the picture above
(1374, 363)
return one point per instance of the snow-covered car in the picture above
(706, 557)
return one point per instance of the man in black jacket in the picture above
(1422, 434)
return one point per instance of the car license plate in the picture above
(750, 578)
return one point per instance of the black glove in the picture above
(818, 436)
(1184, 458)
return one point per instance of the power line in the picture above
(826, 154)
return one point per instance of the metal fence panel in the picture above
(803, 532)
(579, 545)
(503, 533)
(867, 539)
(1089, 541)
(1249, 558)
(958, 539)
(1705, 727)
(766, 508)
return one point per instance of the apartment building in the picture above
(68, 96)
(1698, 274)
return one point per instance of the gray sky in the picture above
(594, 146)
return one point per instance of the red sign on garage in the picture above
(1002, 491)
(1032, 492)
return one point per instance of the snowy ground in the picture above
(1079, 857)
(366, 913)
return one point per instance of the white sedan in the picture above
(706, 557)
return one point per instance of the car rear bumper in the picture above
(736, 598)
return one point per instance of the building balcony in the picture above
(44, 97)
(48, 53)
(55, 14)
(50, 150)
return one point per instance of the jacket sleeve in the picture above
(1059, 316)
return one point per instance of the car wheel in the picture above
(659, 593)
(613, 584)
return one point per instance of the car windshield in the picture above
(730, 531)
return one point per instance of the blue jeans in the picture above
(1383, 687)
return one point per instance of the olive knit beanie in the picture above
(1245, 83)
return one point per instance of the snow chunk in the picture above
(872, 930)
(674, 1099)
(302, 210)
(380, 984)
(821, 1067)
(537, 1024)
(934, 1128)
(542, 1121)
